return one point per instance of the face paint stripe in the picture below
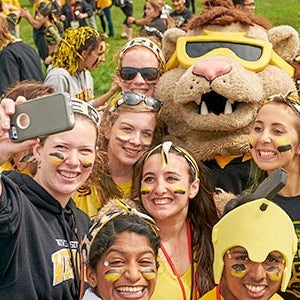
(112, 275)
(149, 274)
(57, 158)
(284, 144)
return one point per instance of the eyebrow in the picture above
(113, 250)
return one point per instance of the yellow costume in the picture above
(212, 295)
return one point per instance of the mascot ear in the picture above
(285, 41)
(169, 41)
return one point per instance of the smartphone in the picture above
(41, 117)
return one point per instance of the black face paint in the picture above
(181, 192)
(284, 148)
(87, 165)
(58, 155)
(57, 158)
(239, 270)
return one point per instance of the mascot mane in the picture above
(223, 12)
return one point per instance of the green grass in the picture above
(279, 13)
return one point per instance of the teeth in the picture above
(264, 153)
(204, 110)
(68, 175)
(231, 101)
(160, 201)
(130, 289)
(255, 289)
(228, 108)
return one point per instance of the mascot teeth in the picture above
(204, 110)
(228, 108)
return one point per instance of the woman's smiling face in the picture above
(127, 270)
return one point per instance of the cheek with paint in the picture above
(57, 158)
(274, 273)
(145, 189)
(238, 270)
(146, 141)
(178, 190)
(283, 144)
(112, 275)
(149, 274)
(88, 163)
(122, 136)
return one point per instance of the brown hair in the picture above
(202, 214)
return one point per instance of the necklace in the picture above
(218, 292)
(194, 291)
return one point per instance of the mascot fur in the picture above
(218, 73)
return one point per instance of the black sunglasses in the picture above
(131, 98)
(129, 73)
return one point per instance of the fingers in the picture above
(7, 108)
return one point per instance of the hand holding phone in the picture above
(41, 117)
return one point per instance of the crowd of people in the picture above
(109, 209)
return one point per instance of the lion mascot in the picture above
(218, 73)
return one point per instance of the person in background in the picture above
(81, 50)
(18, 60)
(53, 28)
(140, 65)
(38, 29)
(254, 245)
(154, 23)
(104, 10)
(120, 250)
(175, 191)
(11, 10)
(181, 14)
(75, 13)
(275, 142)
(247, 6)
(39, 223)
(127, 8)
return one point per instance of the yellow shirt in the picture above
(90, 204)
(7, 166)
(212, 295)
(103, 3)
(167, 285)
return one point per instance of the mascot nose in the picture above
(211, 69)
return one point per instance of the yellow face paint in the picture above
(149, 274)
(112, 275)
(284, 144)
(123, 136)
(57, 158)
(178, 190)
(88, 163)
(274, 273)
(239, 270)
(145, 190)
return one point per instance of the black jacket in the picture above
(19, 61)
(36, 238)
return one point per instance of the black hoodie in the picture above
(37, 236)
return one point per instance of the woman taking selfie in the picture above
(39, 223)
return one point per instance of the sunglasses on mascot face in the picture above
(131, 98)
(252, 54)
(129, 73)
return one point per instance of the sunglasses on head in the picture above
(131, 98)
(129, 73)
(290, 99)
